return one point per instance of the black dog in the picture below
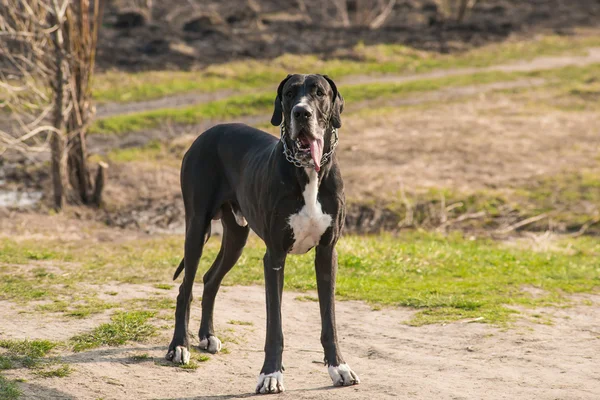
(290, 192)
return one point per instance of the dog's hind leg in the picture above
(194, 242)
(232, 245)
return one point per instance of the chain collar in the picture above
(293, 157)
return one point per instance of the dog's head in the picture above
(309, 106)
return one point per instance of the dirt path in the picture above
(100, 144)
(189, 99)
(453, 361)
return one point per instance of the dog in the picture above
(290, 193)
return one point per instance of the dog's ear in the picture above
(338, 104)
(277, 117)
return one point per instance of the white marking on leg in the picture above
(270, 383)
(342, 375)
(182, 355)
(309, 224)
(212, 344)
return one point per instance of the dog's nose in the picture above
(301, 112)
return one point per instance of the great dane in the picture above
(290, 193)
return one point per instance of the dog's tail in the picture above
(178, 270)
(181, 264)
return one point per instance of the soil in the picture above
(461, 360)
(182, 34)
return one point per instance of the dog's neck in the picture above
(328, 149)
(301, 173)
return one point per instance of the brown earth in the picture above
(460, 360)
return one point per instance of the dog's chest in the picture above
(309, 224)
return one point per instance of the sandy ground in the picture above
(454, 361)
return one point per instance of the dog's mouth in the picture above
(311, 147)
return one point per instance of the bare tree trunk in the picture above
(58, 168)
(81, 36)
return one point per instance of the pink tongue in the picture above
(316, 151)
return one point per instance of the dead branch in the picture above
(47, 57)
(385, 13)
(521, 224)
(585, 227)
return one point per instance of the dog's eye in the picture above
(320, 93)
(288, 94)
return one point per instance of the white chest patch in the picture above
(310, 222)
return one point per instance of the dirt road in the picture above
(454, 361)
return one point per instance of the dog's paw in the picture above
(270, 383)
(342, 375)
(179, 355)
(212, 344)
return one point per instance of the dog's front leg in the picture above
(270, 379)
(326, 269)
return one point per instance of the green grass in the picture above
(443, 278)
(141, 357)
(262, 103)
(570, 78)
(235, 106)
(28, 349)
(82, 308)
(383, 58)
(125, 326)
(238, 322)
(163, 286)
(30, 354)
(306, 298)
(61, 371)
(9, 389)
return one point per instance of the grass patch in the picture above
(62, 371)
(125, 326)
(163, 286)
(30, 354)
(237, 322)
(28, 349)
(236, 106)
(363, 59)
(80, 308)
(9, 389)
(306, 298)
(141, 357)
(261, 103)
(444, 279)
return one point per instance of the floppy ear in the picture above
(338, 104)
(277, 117)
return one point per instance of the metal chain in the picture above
(292, 158)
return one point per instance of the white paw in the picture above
(182, 355)
(342, 375)
(271, 383)
(212, 344)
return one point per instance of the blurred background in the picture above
(460, 114)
